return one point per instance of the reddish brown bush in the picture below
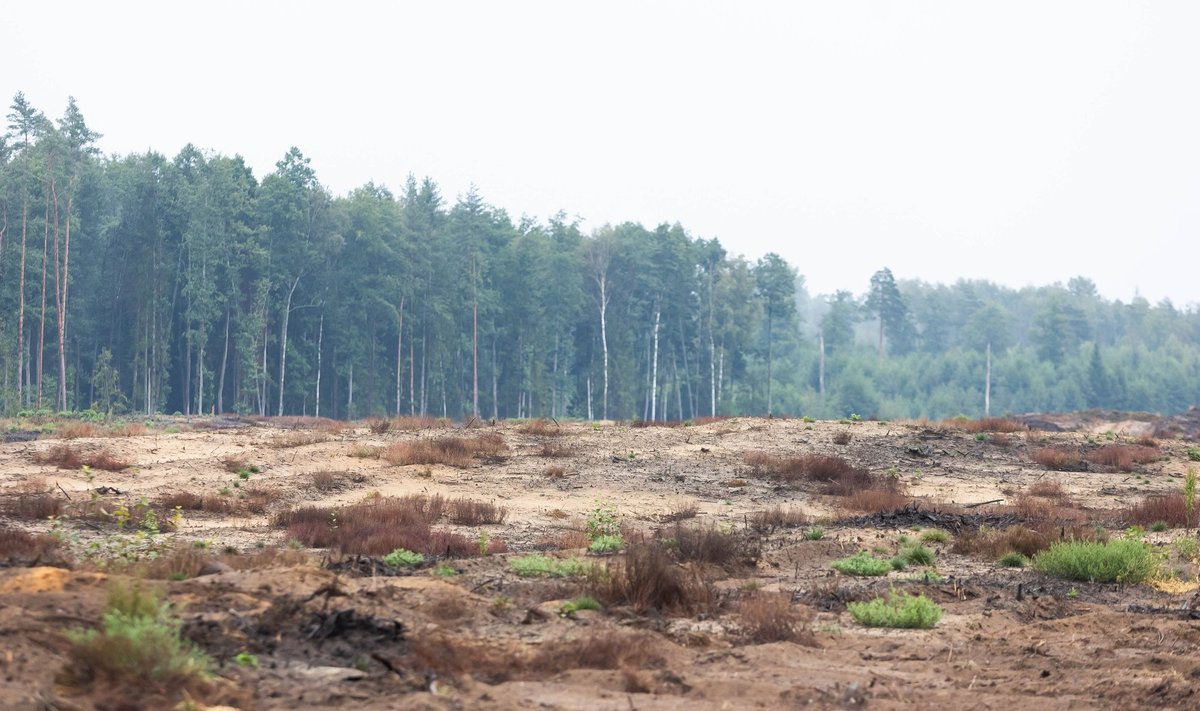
(646, 578)
(75, 430)
(1146, 441)
(1001, 440)
(468, 512)
(1048, 490)
(32, 501)
(292, 440)
(64, 456)
(875, 500)
(106, 460)
(607, 649)
(772, 617)
(987, 424)
(767, 521)
(1026, 540)
(541, 428)
(234, 464)
(1171, 508)
(458, 452)
(1058, 459)
(1123, 457)
(16, 544)
(555, 473)
(837, 475)
(555, 451)
(680, 512)
(843, 437)
(327, 481)
(708, 544)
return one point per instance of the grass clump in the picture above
(606, 544)
(138, 642)
(1012, 559)
(584, 602)
(403, 558)
(935, 535)
(543, 566)
(862, 564)
(1121, 561)
(917, 554)
(815, 533)
(898, 610)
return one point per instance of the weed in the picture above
(710, 545)
(863, 564)
(1012, 559)
(584, 602)
(898, 610)
(935, 535)
(541, 566)
(460, 452)
(1193, 453)
(541, 428)
(364, 451)
(771, 617)
(606, 544)
(1058, 459)
(444, 570)
(917, 555)
(64, 456)
(1189, 493)
(1123, 561)
(468, 512)
(1188, 548)
(403, 558)
(815, 533)
(647, 579)
(1122, 457)
(602, 521)
(246, 659)
(1159, 526)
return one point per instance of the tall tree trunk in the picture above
(62, 308)
(474, 340)
(495, 382)
(200, 379)
(554, 382)
(21, 393)
(770, 354)
(283, 335)
(603, 284)
(41, 356)
(987, 384)
(821, 365)
(320, 338)
(224, 362)
(399, 355)
(654, 369)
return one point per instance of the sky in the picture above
(1020, 142)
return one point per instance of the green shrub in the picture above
(1012, 559)
(917, 555)
(403, 558)
(585, 602)
(540, 566)
(1159, 526)
(815, 533)
(1193, 453)
(898, 562)
(139, 641)
(606, 544)
(1123, 561)
(862, 563)
(897, 610)
(935, 535)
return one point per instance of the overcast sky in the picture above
(1021, 142)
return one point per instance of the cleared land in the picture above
(709, 582)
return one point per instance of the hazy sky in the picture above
(1022, 142)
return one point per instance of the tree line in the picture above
(148, 284)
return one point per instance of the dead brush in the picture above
(647, 579)
(711, 546)
(1122, 457)
(1146, 441)
(987, 424)
(1029, 540)
(1171, 508)
(16, 544)
(681, 511)
(77, 430)
(772, 617)
(64, 456)
(31, 501)
(326, 481)
(233, 464)
(837, 476)
(555, 451)
(299, 439)
(1058, 459)
(541, 427)
(842, 438)
(459, 452)
(888, 498)
(1048, 490)
(769, 520)
(608, 649)
(554, 473)
(468, 512)
(379, 426)
(128, 429)
(412, 423)
(364, 451)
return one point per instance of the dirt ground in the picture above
(328, 630)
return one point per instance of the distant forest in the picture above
(148, 284)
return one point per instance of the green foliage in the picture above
(246, 659)
(1159, 526)
(403, 558)
(1189, 494)
(898, 610)
(935, 535)
(138, 640)
(1193, 453)
(1013, 559)
(606, 544)
(585, 602)
(444, 570)
(540, 566)
(814, 533)
(1121, 561)
(602, 522)
(862, 563)
(917, 555)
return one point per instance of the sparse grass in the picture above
(815, 533)
(917, 555)
(767, 521)
(459, 452)
(987, 424)
(935, 535)
(862, 564)
(606, 544)
(292, 440)
(412, 423)
(31, 501)
(541, 428)
(646, 579)
(327, 481)
(364, 451)
(772, 617)
(403, 558)
(991, 544)
(379, 426)
(542, 566)
(1121, 561)
(1012, 559)
(18, 545)
(680, 511)
(710, 545)
(550, 450)
(1047, 490)
(468, 512)
(64, 456)
(875, 500)
(898, 610)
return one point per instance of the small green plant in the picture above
(246, 659)
(898, 562)
(244, 474)
(1012, 559)
(807, 420)
(981, 437)
(1193, 453)
(586, 602)
(898, 610)
(814, 533)
(935, 535)
(602, 521)
(855, 417)
(1189, 493)
(917, 555)
(484, 541)
(1135, 532)
(362, 663)
(1121, 561)
(1072, 593)
(444, 570)
(1188, 548)
(925, 576)
(403, 558)
(540, 566)
(606, 544)
(863, 564)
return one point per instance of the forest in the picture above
(148, 284)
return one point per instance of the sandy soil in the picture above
(330, 631)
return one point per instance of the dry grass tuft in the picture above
(1146, 441)
(1048, 490)
(542, 428)
(300, 439)
(468, 512)
(16, 544)
(64, 456)
(1026, 540)
(875, 500)
(1122, 457)
(76, 430)
(364, 451)
(555, 473)
(710, 545)
(555, 451)
(379, 426)
(842, 438)
(680, 511)
(326, 481)
(987, 424)
(772, 617)
(458, 452)
(767, 521)
(413, 423)
(31, 501)
(647, 579)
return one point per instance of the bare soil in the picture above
(330, 630)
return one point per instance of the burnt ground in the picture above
(329, 629)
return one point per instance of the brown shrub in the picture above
(1058, 459)
(842, 437)
(418, 422)
(1001, 440)
(709, 419)
(646, 578)
(468, 512)
(106, 460)
(1123, 457)
(327, 481)
(1171, 508)
(128, 429)
(379, 426)
(64, 456)
(708, 544)
(771, 617)
(680, 512)
(16, 544)
(837, 476)
(555, 451)
(607, 649)
(987, 424)
(1048, 490)
(364, 451)
(1146, 441)
(452, 451)
(542, 428)
(75, 430)
(299, 439)
(234, 464)
(875, 500)
(299, 422)
(1026, 540)
(555, 473)
(33, 501)
(767, 521)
